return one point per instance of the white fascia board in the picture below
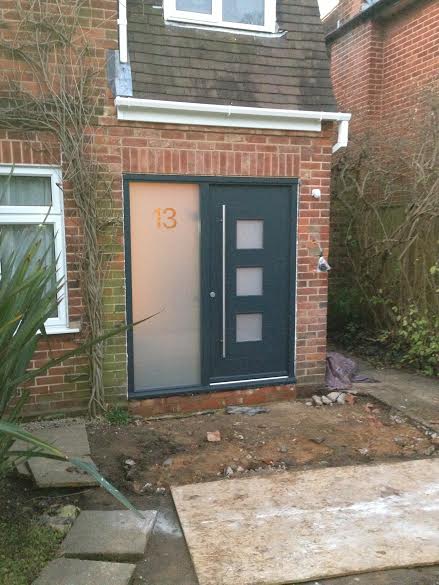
(170, 112)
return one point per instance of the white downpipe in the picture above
(123, 37)
(343, 135)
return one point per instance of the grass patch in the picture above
(118, 416)
(25, 548)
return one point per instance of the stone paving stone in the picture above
(71, 440)
(49, 473)
(112, 536)
(77, 572)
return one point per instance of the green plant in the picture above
(385, 240)
(118, 416)
(414, 340)
(25, 547)
(28, 296)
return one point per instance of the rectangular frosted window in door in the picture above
(165, 277)
(249, 281)
(249, 234)
(248, 327)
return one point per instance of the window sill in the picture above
(62, 330)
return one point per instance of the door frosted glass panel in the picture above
(248, 327)
(250, 234)
(249, 281)
(165, 277)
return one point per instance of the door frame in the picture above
(205, 251)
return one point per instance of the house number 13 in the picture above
(166, 218)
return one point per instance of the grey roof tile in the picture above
(190, 64)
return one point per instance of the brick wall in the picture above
(381, 66)
(166, 149)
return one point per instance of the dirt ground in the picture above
(147, 456)
(175, 451)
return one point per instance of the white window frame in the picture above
(36, 214)
(215, 19)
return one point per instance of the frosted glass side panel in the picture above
(165, 277)
(249, 327)
(250, 234)
(249, 281)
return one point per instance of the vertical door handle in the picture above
(224, 281)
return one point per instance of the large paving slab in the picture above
(117, 535)
(76, 572)
(49, 473)
(416, 401)
(414, 395)
(70, 439)
(311, 525)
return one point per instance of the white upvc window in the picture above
(257, 15)
(31, 203)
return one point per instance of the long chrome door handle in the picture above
(224, 281)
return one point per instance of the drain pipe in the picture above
(123, 24)
(343, 135)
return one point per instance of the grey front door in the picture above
(250, 282)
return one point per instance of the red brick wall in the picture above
(142, 148)
(410, 57)
(165, 149)
(381, 66)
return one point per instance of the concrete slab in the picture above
(76, 572)
(71, 439)
(23, 470)
(112, 536)
(419, 404)
(49, 473)
(414, 395)
(311, 525)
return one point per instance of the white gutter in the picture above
(123, 24)
(169, 112)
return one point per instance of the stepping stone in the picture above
(112, 536)
(76, 572)
(49, 473)
(71, 440)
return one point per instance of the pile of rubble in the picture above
(335, 397)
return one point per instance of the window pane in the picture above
(249, 327)
(17, 190)
(165, 270)
(244, 11)
(16, 239)
(249, 281)
(249, 234)
(201, 6)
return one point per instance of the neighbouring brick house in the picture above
(218, 124)
(384, 59)
(383, 54)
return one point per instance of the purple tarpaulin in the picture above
(341, 372)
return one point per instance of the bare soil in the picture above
(291, 435)
(175, 451)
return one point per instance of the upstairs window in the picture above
(258, 15)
